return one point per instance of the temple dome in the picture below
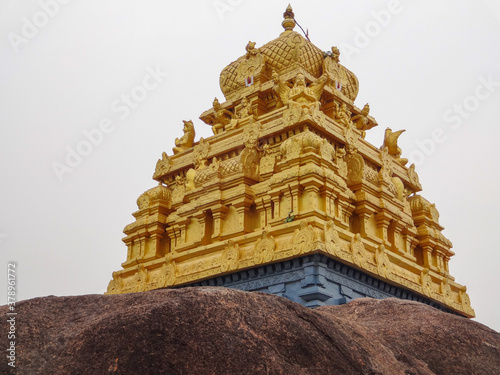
(287, 52)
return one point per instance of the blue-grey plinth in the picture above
(314, 280)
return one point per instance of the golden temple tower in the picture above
(287, 197)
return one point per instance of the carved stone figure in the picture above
(303, 238)
(168, 272)
(332, 239)
(358, 251)
(115, 285)
(317, 86)
(341, 114)
(222, 118)
(382, 261)
(162, 165)
(391, 142)
(264, 248)
(230, 257)
(251, 65)
(413, 176)
(281, 89)
(186, 141)
(246, 108)
(361, 121)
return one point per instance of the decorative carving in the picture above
(115, 285)
(446, 291)
(245, 108)
(464, 297)
(186, 141)
(200, 153)
(400, 188)
(413, 176)
(251, 65)
(317, 86)
(292, 115)
(355, 168)
(302, 94)
(179, 189)
(159, 192)
(342, 115)
(268, 161)
(230, 257)
(362, 122)
(382, 261)
(343, 79)
(140, 279)
(281, 89)
(251, 134)
(327, 150)
(341, 163)
(426, 282)
(264, 248)
(222, 118)
(301, 143)
(303, 238)
(385, 173)
(358, 251)
(332, 239)
(168, 272)
(162, 166)
(391, 143)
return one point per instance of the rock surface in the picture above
(223, 331)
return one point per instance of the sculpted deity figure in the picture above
(246, 108)
(186, 141)
(281, 89)
(222, 118)
(331, 65)
(307, 96)
(341, 114)
(317, 86)
(335, 54)
(251, 66)
(361, 120)
(391, 142)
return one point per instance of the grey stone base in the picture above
(314, 280)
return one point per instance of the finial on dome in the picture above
(289, 21)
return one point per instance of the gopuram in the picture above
(287, 197)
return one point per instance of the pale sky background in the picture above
(66, 236)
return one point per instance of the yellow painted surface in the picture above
(287, 173)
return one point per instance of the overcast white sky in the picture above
(68, 73)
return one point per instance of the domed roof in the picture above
(287, 52)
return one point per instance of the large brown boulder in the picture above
(224, 331)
